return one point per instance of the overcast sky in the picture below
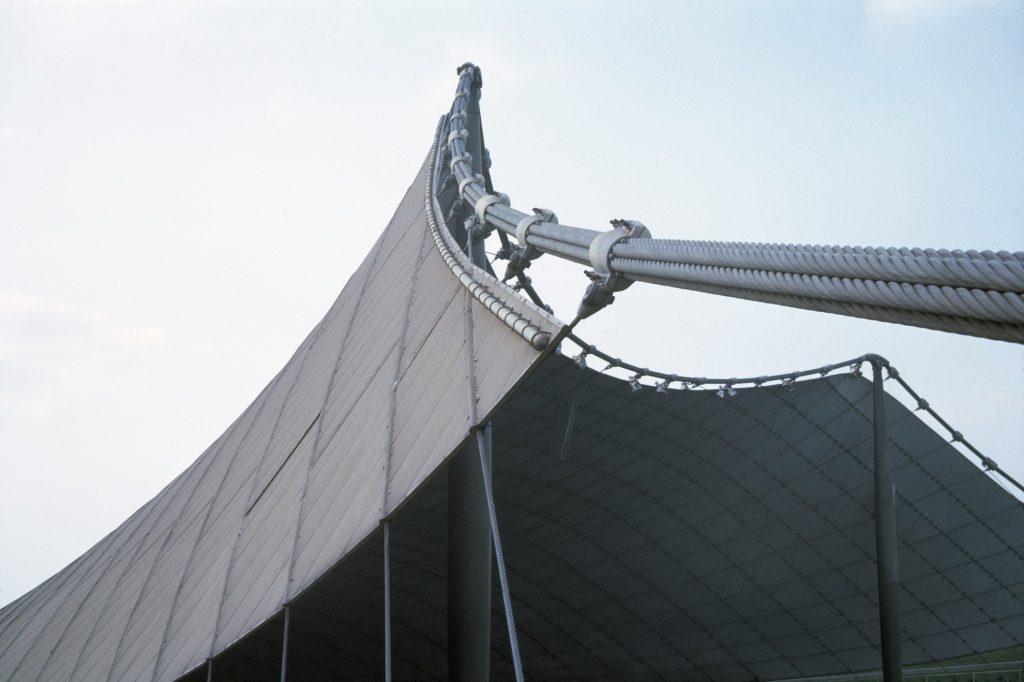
(185, 188)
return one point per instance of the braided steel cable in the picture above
(977, 293)
(998, 331)
(1002, 271)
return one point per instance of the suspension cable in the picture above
(977, 293)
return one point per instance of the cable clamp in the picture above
(540, 215)
(463, 156)
(604, 281)
(488, 200)
(522, 256)
(466, 181)
(463, 133)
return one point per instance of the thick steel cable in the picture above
(998, 331)
(929, 298)
(978, 293)
(983, 270)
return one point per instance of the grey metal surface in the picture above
(294, 485)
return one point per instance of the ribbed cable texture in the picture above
(567, 251)
(948, 323)
(1002, 271)
(978, 293)
(996, 306)
(577, 236)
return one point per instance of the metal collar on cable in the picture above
(978, 293)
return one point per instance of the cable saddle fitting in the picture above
(604, 281)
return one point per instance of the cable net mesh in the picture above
(686, 536)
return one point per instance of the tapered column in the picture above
(885, 538)
(469, 569)
(469, 531)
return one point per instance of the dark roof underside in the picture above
(682, 536)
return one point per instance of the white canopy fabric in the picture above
(381, 388)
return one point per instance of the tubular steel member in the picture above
(484, 446)
(469, 533)
(886, 558)
(387, 601)
(469, 567)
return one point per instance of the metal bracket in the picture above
(462, 132)
(604, 281)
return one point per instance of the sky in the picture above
(185, 187)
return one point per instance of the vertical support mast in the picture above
(885, 536)
(469, 534)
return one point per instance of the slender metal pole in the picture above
(483, 440)
(387, 601)
(209, 670)
(885, 537)
(284, 644)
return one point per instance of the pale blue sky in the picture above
(185, 188)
